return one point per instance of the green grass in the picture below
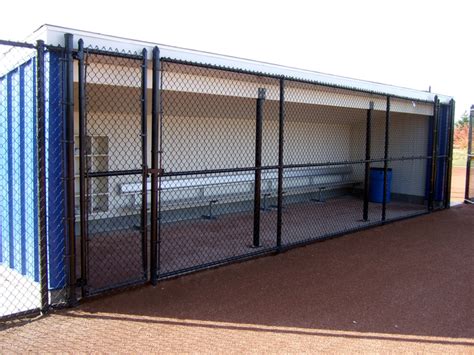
(459, 157)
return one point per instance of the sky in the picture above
(415, 44)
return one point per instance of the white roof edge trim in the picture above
(53, 35)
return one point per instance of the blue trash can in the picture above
(376, 185)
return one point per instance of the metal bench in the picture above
(208, 191)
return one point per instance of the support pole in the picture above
(258, 166)
(365, 216)
(154, 165)
(41, 151)
(385, 157)
(144, 216)
(434, 154)
(449, 168)
(70, 195)
(83, 169)
(281, 137)
(467, 196)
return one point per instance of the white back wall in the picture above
(202, 131)
(408, 137)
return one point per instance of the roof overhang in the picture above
(54, 35)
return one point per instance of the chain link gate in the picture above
(111, 169)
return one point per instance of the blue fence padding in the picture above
(4, 200)
(17, 182)
(11, 212)
(19, 232)
(443, 140)
(30, 175)
(23, 182)
(442, 150)
(429, 161)
(55, 172)
(18, 206)
(35, 175)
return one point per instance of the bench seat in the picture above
(178, 192)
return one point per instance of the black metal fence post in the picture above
(41, 151)
(467, 196)
(144, 219)
(450, 154)
(154, 165)
(281, 137)
(368, 133)
(82, 168)
(69, 141)
(160, 163)
(434, 154)
(385, 157)
(258, 166)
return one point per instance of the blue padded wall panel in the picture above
(18, 182)
(55, 172)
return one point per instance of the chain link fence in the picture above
(32, 235)
(117, 169)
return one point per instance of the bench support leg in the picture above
(265, 208)
(320, 196)
(282, 205)
(210, 216)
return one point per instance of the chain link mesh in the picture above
(218, 192)
(57, 242)
(19, 271)
(21, 279)
(113, 187)
(209, 124)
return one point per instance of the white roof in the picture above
(54, 35)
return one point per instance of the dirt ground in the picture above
(458, 184)
(116, 258)
(402, 287)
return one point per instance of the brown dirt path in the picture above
(458, 184)
(403, 287)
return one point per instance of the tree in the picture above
(461, 132)
(464, 120)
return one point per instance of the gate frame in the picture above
(84, 174)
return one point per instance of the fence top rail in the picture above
(13, 44)
(291, 78)
(113, 53)
(17, 44)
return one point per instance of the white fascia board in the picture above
(54, 35)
